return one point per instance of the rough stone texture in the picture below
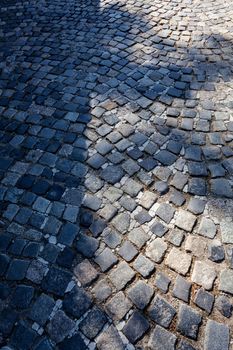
(136, 327)
(204, 300)
(203, 274)
(93, 323)
(156, 250)
(85, 273)
(181, 288)
(195, 245)
(226, 231)
(217, 336)
(161, 339)
(115, 157)
(188, 321)
(60, 326)
(143, 265)
(178, 261)
(216, 251)
(118, 306)
(141, 294)
(106, 259)
(162, 282)
(161, 311)
(224, 306)
(121, 275)
(110, 336)
(226, 281)
(185, 220)
(207, 228)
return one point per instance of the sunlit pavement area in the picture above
(116, 170)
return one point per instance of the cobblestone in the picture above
(136, 327)
(188, 321)
(116, 169)
(182, 288)
(110, 336)
(162, 312)
(156, 250)
(118, 306)
(178, 261)
(203, 274)
(162, 339)
(216, 336)
(204, 300)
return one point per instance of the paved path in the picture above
(116, 166)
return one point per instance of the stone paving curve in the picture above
(116, 170)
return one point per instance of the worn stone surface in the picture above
(216, 336)
(203, 274)
(195, 245)
(60, 326)
(188, 321)
(204, 300)
(226, 281)
(161, 311)
(110, 336)
(207, 228)
(136, 327)
(181, 288)
(141, 294)
(116, 168)
(121, 275)
(156, 250)
(226, 231)
(185, 220)
(161, 339)
(224, 305)
(178, 261)
(118, 306)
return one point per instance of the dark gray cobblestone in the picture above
(116, 174)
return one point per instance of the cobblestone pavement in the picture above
(116, 175)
